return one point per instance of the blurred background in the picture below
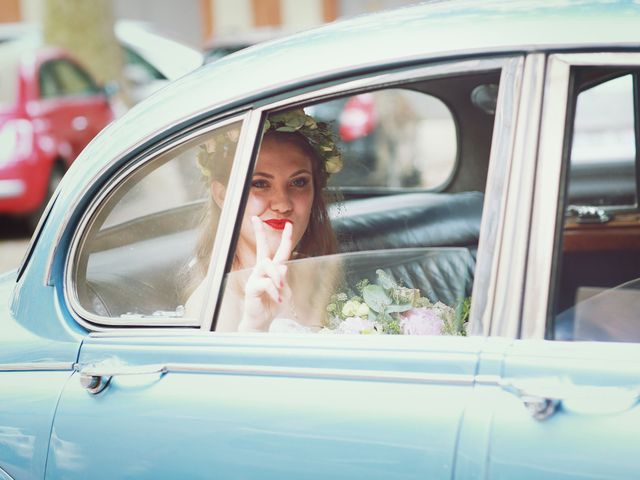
(69, 67)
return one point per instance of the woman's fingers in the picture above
(286, 244)
(271, 270)
(261, 239)
(259, 286)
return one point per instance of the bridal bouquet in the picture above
(385, 307)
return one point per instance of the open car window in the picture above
(392, 247)
(136, 260)
(598, 267)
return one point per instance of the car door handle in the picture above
(542, 397)
(95, 377)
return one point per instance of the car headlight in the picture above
(16, 140)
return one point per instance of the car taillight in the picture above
(357, 119)
(16, 140)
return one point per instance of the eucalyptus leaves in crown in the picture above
(318, 134)
(222, 144)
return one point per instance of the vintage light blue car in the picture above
(479, 320)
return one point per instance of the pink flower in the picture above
(356, 325)
(421, 321)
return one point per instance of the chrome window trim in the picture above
(90, 320)
(492, 224)
(512, 251)
(36, 367)
(544, 220)
(82, 193)
(392, 79)
(228, 217)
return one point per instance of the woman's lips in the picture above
(277, 223)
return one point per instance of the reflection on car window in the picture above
(137, 258)
(596, 295)
(368, 261)
(391, 138)
(603, 149)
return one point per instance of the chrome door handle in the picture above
(95, 377)
(542, 397)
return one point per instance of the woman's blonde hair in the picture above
(319, 238)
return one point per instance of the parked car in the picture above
(531, 363)
(50, 108)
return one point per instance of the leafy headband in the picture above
(317, 134)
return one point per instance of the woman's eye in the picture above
(300, 182)
(259, 184)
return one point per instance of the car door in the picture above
(170, 398)
(566, 405)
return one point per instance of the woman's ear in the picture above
(218, 192)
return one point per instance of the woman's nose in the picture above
(281, 201)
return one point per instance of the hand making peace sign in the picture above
(267, 287)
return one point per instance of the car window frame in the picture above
(550, 179)
(510, 67)
(90, 320)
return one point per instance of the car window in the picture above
(138, 257)
(597, 295)
(392, 138)
(390, 261)
(60, 78)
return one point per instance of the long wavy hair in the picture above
(319, 237)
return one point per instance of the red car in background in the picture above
(50, 108)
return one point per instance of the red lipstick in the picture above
(277, 223)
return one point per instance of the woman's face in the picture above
(281, 191)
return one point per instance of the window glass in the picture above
(149, 243)
(49, 87)
(310, 257)
(72, 80)
(597, 295)
(391, 138)
(603, 149)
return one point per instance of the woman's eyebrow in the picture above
(262, 174)
(302, 170)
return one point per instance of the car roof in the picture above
(438, 30)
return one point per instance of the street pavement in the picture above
(14, 238)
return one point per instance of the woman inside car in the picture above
(285, 218)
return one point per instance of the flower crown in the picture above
(317, 134)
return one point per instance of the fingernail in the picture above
(279, 299)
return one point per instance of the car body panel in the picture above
(592, 434)
(380, 408)
(33, 370)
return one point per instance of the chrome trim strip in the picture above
(88, 319)
(513, 247)
(318, 373)
(35, 366)
(545, 201)
(449, 67)
(495, 198)
(4, 475)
